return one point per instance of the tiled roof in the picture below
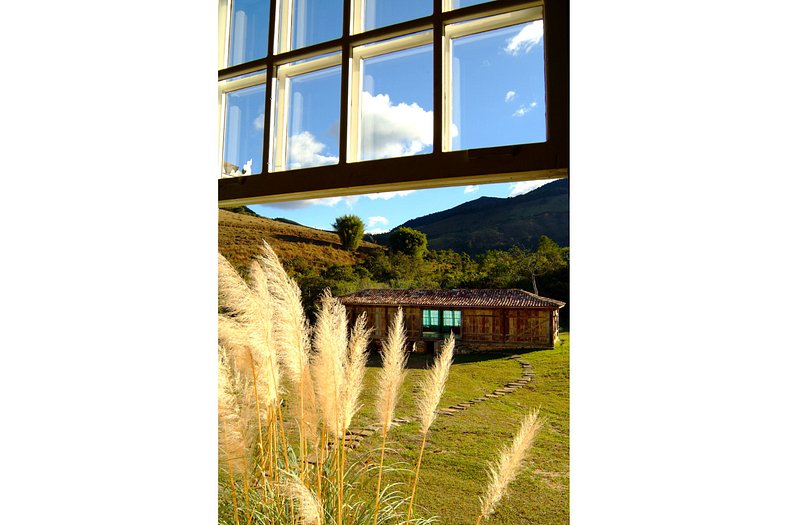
(483, 298)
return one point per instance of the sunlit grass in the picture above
(459, 446)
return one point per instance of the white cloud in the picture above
(333, 201)
(303, 150)
(376, 231)
(389, 194)
(522, 110)
(470, 189)
(324, 201)
(509, 96)
(528, 37)
(259, 122)
(524, 186)
(245, 170)
(377, 219)
(393, 130)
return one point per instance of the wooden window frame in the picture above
(545, 160)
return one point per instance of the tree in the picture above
(408, 241)
(350, 229)
(547, 258)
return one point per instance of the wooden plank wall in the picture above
(531, 326)
(538, 327)
(484, 325)
(379, 317)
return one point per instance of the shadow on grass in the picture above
(422, 361)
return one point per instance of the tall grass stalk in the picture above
(431, 391)
(510, 462)
(330, 363)
(248, 325)
(391, 378)
(291, 336)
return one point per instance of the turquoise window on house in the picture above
(430, 319)
(451, 318)
(440, 323)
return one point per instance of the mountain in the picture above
(498, 223)
(242, 233)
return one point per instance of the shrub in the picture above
(350, 229)
(408, 241)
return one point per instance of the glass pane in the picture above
(498, 91)
(451, 318)
(379, 13)
(315, 21)
(396, 104)
(429, 318)
(248, 31)
(313, 119)
(243, 131)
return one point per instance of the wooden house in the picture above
(483, 319)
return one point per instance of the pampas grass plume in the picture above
(309, 508)
(250, 327)
(356, 366)
(330, 343)
(237, 424)
(291, 329)
(434, 384)
(510, 463)
(393, 373)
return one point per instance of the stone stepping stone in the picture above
(363, 433)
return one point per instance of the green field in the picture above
(453, 474)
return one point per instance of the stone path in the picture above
(354, 437)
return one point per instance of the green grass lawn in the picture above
(453, 474)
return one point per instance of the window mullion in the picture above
(344, 90)
(271, 87)
(438, 82)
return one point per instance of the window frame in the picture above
(276, 163)
(361, 53)
(230, 86)
(440, 330)
(544, 160)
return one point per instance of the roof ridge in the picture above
(460, 297)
